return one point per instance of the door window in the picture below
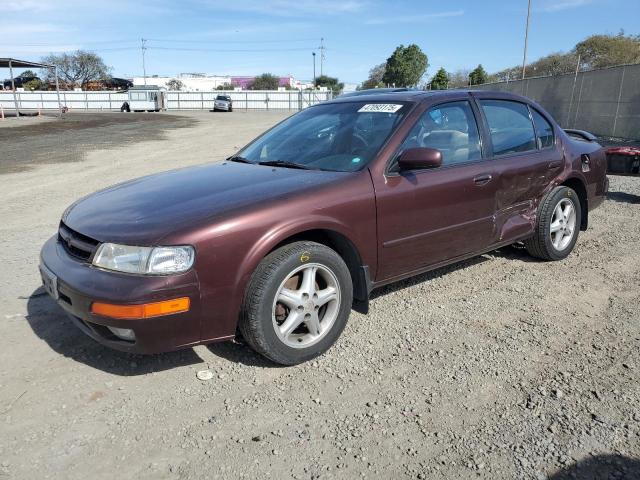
(450, 128)
(510, 126)
(544, 130)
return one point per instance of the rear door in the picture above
(526, 154)
(429, 216)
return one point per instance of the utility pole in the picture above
(314, 69)
(573, 89)
(526, 39)
(143, 47)
(322, 57)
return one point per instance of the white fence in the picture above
(244, 100)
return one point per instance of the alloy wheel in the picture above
(306, 305)
(563, 224)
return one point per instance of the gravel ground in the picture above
(499, 367)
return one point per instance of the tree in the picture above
(557, 63)
(175, 84)
(226, 86)
(405, 67)
(375, 77)
(34, 84)
(28, 74)
(266, 81)
(478, 76)
(440, 80)
(598, 51)
(330, 82)
(553, 64)
(76, 69)
(459, 79)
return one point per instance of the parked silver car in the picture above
(224, 103)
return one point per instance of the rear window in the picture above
(510, 126)
(544, 130)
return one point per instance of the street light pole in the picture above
(526, 40)
(314, 69)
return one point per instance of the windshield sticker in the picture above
(381, 108)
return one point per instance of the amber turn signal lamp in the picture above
(145, 310)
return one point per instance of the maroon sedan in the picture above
(279, 242)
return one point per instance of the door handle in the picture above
(554, 165)
(482, 179)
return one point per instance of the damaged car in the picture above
(279, 243)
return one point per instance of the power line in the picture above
(183, 49)
(73, 49)
(167, 40)
(231, 50)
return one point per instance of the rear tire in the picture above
(297, 303)
(559, 218)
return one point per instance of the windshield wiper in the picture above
(284, 163)
(239, 159)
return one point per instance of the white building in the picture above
(193, 82)
(201, 82)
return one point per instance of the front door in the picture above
(426, 217)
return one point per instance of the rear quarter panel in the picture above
(595, 177)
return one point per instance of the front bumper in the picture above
(79, 284)
(222, 106)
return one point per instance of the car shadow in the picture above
(510, 252)
(623, 197)
(238, 352)
(50, 323)
(516, 251)
(425, 277)
(601, 466)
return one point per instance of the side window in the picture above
(510, 126)
(544, 130)
(450, 128)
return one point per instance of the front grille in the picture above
(76, 244)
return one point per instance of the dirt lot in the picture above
(500, 367)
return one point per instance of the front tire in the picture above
(297, 303)
(559, 218)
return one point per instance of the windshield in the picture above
(222, 97)
(339, 136)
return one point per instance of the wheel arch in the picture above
(344, 247)
(579, 187)
(321, 230)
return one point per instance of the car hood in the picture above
(143, 211)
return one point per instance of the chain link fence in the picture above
(604, 102)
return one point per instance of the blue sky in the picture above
(246, 37)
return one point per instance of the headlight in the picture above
(144, 260)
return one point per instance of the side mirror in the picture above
(419, 158)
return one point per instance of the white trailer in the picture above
(148, 98)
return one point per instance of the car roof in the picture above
(405, 95)
(378, 91)
(415, 96)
